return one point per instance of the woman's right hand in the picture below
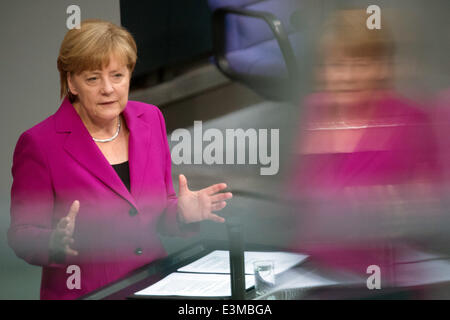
(61, 237)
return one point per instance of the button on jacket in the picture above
(57, 162)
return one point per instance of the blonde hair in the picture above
(346, 32)
(90, 48)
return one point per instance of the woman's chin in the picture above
(109, 112)
(351, 99)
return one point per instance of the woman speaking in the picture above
(92, 183)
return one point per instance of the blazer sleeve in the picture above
(32, 201)
(169, 222)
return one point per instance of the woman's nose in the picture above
(346, 73)
(107, 87)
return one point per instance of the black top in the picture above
(123, 171)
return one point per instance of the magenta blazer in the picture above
(57, 162)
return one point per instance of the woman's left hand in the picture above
(194, 206)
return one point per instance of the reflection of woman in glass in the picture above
(363, 149)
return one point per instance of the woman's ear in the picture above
(71, 85)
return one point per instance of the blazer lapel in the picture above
(138, 148)
(82, 148)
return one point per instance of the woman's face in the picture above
(353, 80)
(102, 94)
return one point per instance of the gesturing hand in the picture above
(194, 206)
(61, 237)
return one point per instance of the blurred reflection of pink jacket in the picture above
(57, 162)
(342, 192)
(441, 120)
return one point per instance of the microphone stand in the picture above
(237, 267)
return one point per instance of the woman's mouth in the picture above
(107, 103)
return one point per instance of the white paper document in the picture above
(194, 285)
(218, 261)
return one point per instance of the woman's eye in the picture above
(91, 79)
(118, 75)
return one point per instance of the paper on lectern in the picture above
(218, 261)
(194, 285)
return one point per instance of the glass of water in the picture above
(264, 276)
